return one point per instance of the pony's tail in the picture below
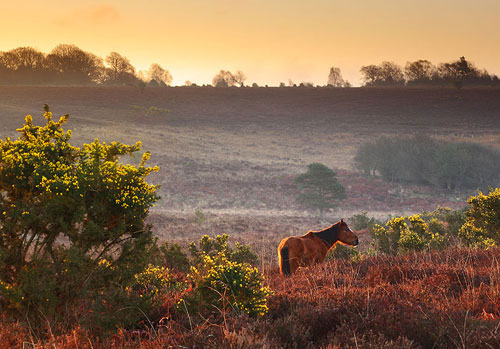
(285, 262)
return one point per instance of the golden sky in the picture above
(270, 40)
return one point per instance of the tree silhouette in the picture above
(23, 58)
(319, 188)
(421, 71)
(371, 74)
(335, 78)
(387, 73)
(239, 78)
(120, 69)
(160, 75)
(74, 65)
(224, 78)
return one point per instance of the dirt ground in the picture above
(233, 152)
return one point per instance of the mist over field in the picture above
(234, 153)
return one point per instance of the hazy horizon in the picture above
(269, 42)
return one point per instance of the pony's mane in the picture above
(329, 235)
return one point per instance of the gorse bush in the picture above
(152, 290)
(153, 281)
(423, 160)
(224, 279)
(406, 234)
(71, 220)
(172, 256)
(214, 246)
(482, 223)
(222, 285)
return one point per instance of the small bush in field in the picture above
(200, 216)
(320, 189)
(153, 280)
(51, 191)
(214, 246)
(362, 221)
(445, 221)
(345, 252)
(406, 234)
(223, 285)
(482, 222)
(173, 257)
(151, 288)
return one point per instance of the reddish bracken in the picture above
(440, 299)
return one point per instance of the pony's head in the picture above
(346, 235)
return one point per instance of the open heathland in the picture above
(237, 150)
(228, 159)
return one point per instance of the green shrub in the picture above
(173, 257)
(151, 289)
(362, 221)
(482, 222)
(386, 240)
(153, 280)
(423, 160)
(406, 234)
(320, 189)
(63, 211)
(345, 252)
(445, 221)
(474, 236)
(200, 216)
(214, 246)
(222, 285)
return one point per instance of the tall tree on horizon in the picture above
(335, 78)
(119, 67)
(159, 75)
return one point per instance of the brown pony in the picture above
(311, 248)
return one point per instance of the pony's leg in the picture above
(294, 264)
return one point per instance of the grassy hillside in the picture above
(236, 150)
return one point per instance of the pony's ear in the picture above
(342, 221)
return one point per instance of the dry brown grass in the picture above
(439, 299)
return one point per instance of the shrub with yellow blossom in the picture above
(222, 285)
(219, 244)
(482, 220)
(153, 281)
(65, 209)
(406, 234)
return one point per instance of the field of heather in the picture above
(445, 299)
(228, 158)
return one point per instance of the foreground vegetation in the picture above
(426, 299)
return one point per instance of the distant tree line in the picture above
(424, 160)
(424, 73)
(225, 78)
(70, 65)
